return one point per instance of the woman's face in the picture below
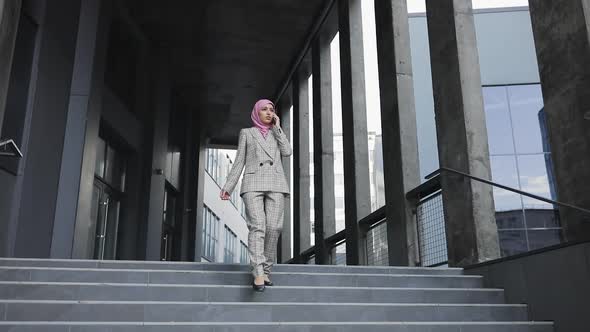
(266, 114)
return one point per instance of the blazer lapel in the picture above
(262, 141)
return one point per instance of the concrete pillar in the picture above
(10, 13)
(9, 18)
(50, 104)
(398, 123)
(131, 246)
(472, 235)
(357, 196)
(286, 242)
(189, 169)
(160, 123)
(74, 230)
(323, 152)
(198, 188)
(302, 175)
(562, 38)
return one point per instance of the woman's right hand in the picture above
(224, 195)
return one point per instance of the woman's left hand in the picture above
(277, 121)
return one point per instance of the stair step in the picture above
(281, 327)
(236, 277)
(17, 310)
(237, 293)
(153, 265)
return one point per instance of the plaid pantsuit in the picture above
(264, 187)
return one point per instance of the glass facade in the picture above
(218, 165)
(210, 236)
(243, 253)
(229, 252)
(520, 158)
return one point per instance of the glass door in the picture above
(105, 211)
(168, 250)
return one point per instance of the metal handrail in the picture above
(8, 148)
(546, 200)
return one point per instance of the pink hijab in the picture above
(264, 129)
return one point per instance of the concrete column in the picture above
(198, 188)
(562, 38)
(10, 13)
(398, 123)
(189, 169)
(357, 196)
(472, 235)
(131, 246)
(303, 173)
(160, 123)
(9, 18)
(323, 152)
(74, 230)
(50, 104)
(286, 242)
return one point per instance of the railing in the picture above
(543, 199)
(430, 223)
(372, 228)
(431, 228)
(9, 149)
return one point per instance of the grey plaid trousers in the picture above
(265, 211)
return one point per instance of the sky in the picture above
(417, 6)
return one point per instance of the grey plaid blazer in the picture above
(262, 160)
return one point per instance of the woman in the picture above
(264, 187)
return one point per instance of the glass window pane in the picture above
(512, 242)
(508, 204)
(544, 238)
(510, 219)
(504, 172)
(498, 120)
(100, 158)
(542, 218)
(534, 180)
(526, 103)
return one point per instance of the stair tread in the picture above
(153, 285)
(405, 275)
(162, 263)
(275, 323)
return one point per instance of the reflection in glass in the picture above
(542, 218)
(534, 180)
(525, 103)
(512, 242)
(543, 238)
(510, 219)
(504, 172)
(498, 120)
(100, 158)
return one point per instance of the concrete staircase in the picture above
(114, 296)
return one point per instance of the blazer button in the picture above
(261, 164)
(271, 163)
